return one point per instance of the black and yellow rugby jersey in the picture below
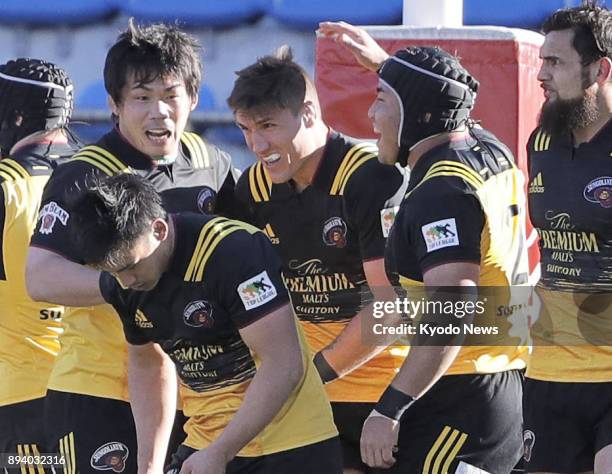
(223, 276)
(570, 203)
(324, 234)
(93, 355)
(466, 203)
(28, 330)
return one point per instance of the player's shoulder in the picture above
(208, 238)
(254, 184)
(355, 159)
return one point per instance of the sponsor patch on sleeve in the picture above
(256, 291)
(49, 214)
(440, 234)
(387, 217)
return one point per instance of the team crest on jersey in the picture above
(198, 314)
(206, 200)
(440, 234)
(334, 232)
(110, 457)
(387, 217)
(599, 191)
(256, 291)
(528, 443)
(49, 214)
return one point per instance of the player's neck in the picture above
(50, 136)
(429, 143)
(586, 134)
(306, 174)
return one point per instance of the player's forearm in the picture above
(356, 344)
(55, 279)
(272, 385)
(423, 367)
(153, 395)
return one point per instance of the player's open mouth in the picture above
(158, 134)
(271, 159)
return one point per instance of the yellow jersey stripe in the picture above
(204, 158)
(253, 186)
(547, 143)
(347, 161)
(36, 452)
(104, 159)
(72, 452)
(442, 173)
(219, 236)
(458, 166)
(8, 173)
(263, 182)
(21, 171)
(442, 454)
(106, 155)
(354, 167)
(208, 241)
(453, 454)
(95, 163)
(434, 449)
(195, 157)
(206, 228)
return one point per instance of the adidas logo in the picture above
(536, 185)
(141, 320)
(271, 235)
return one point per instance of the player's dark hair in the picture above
(272, 82)
(110, 214)
(150, 52)
(592, 26)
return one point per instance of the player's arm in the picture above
(273, 339)
(365, 49)
(153, 392)
(422, 368)
(349, 350)
(55, 279)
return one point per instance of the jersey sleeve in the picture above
(243, 199)
(249, 281)
(444, 223)
(53, 229)
(372, 198)
(118, 298)
(227, 176)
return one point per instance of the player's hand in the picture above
(365, 49)
(379, 441)
(205, 461)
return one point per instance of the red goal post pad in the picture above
(504, 60)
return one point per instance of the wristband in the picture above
(394, 403)
(326, 371)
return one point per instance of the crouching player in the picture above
(207, 292)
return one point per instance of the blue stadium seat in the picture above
(54, 13)
(528, 14)
(196, 13)
(206, 99)
(306, 14)
(93, 97)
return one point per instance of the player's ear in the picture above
(604, 71)
(309, 115)
(160, 229)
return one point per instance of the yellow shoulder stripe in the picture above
(197, 149)
(212, 233)
(102, 159)
(541, 141)
(444, 451)
(353, 159)
(259, 183)
(10, 170)
(451, 168)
